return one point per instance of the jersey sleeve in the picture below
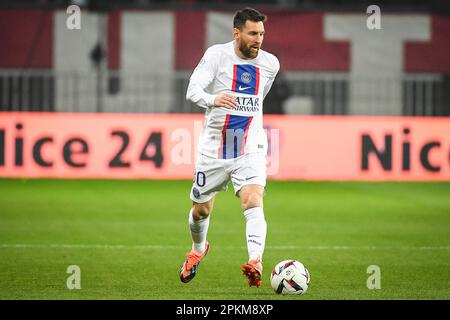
(202, 76)
(276, 68)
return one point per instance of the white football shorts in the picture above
(213, 175)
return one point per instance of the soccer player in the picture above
(230, 82)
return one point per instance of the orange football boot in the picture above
(190, 266)
(253, 271)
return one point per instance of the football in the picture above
(289, 277)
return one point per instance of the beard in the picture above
(247, 51)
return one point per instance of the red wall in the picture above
(26, 39)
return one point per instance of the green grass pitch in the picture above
(129, 239)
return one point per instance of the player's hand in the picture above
(225, 100)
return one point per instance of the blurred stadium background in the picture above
(349, 103)
(136, 56)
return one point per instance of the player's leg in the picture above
(255, 230)
(256, 227)
(199, 224)
(249, 181)
(210, 178)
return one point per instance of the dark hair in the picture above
(243, 15)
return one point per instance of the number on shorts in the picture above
(201, 179)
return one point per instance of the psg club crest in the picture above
(245, 79)
(196, 192)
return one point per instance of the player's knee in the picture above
(201, 210)
(251, 200)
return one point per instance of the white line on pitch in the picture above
(173, 247)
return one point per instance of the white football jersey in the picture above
(230, 133)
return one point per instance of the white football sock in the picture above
(199, 229)
(255, 230)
